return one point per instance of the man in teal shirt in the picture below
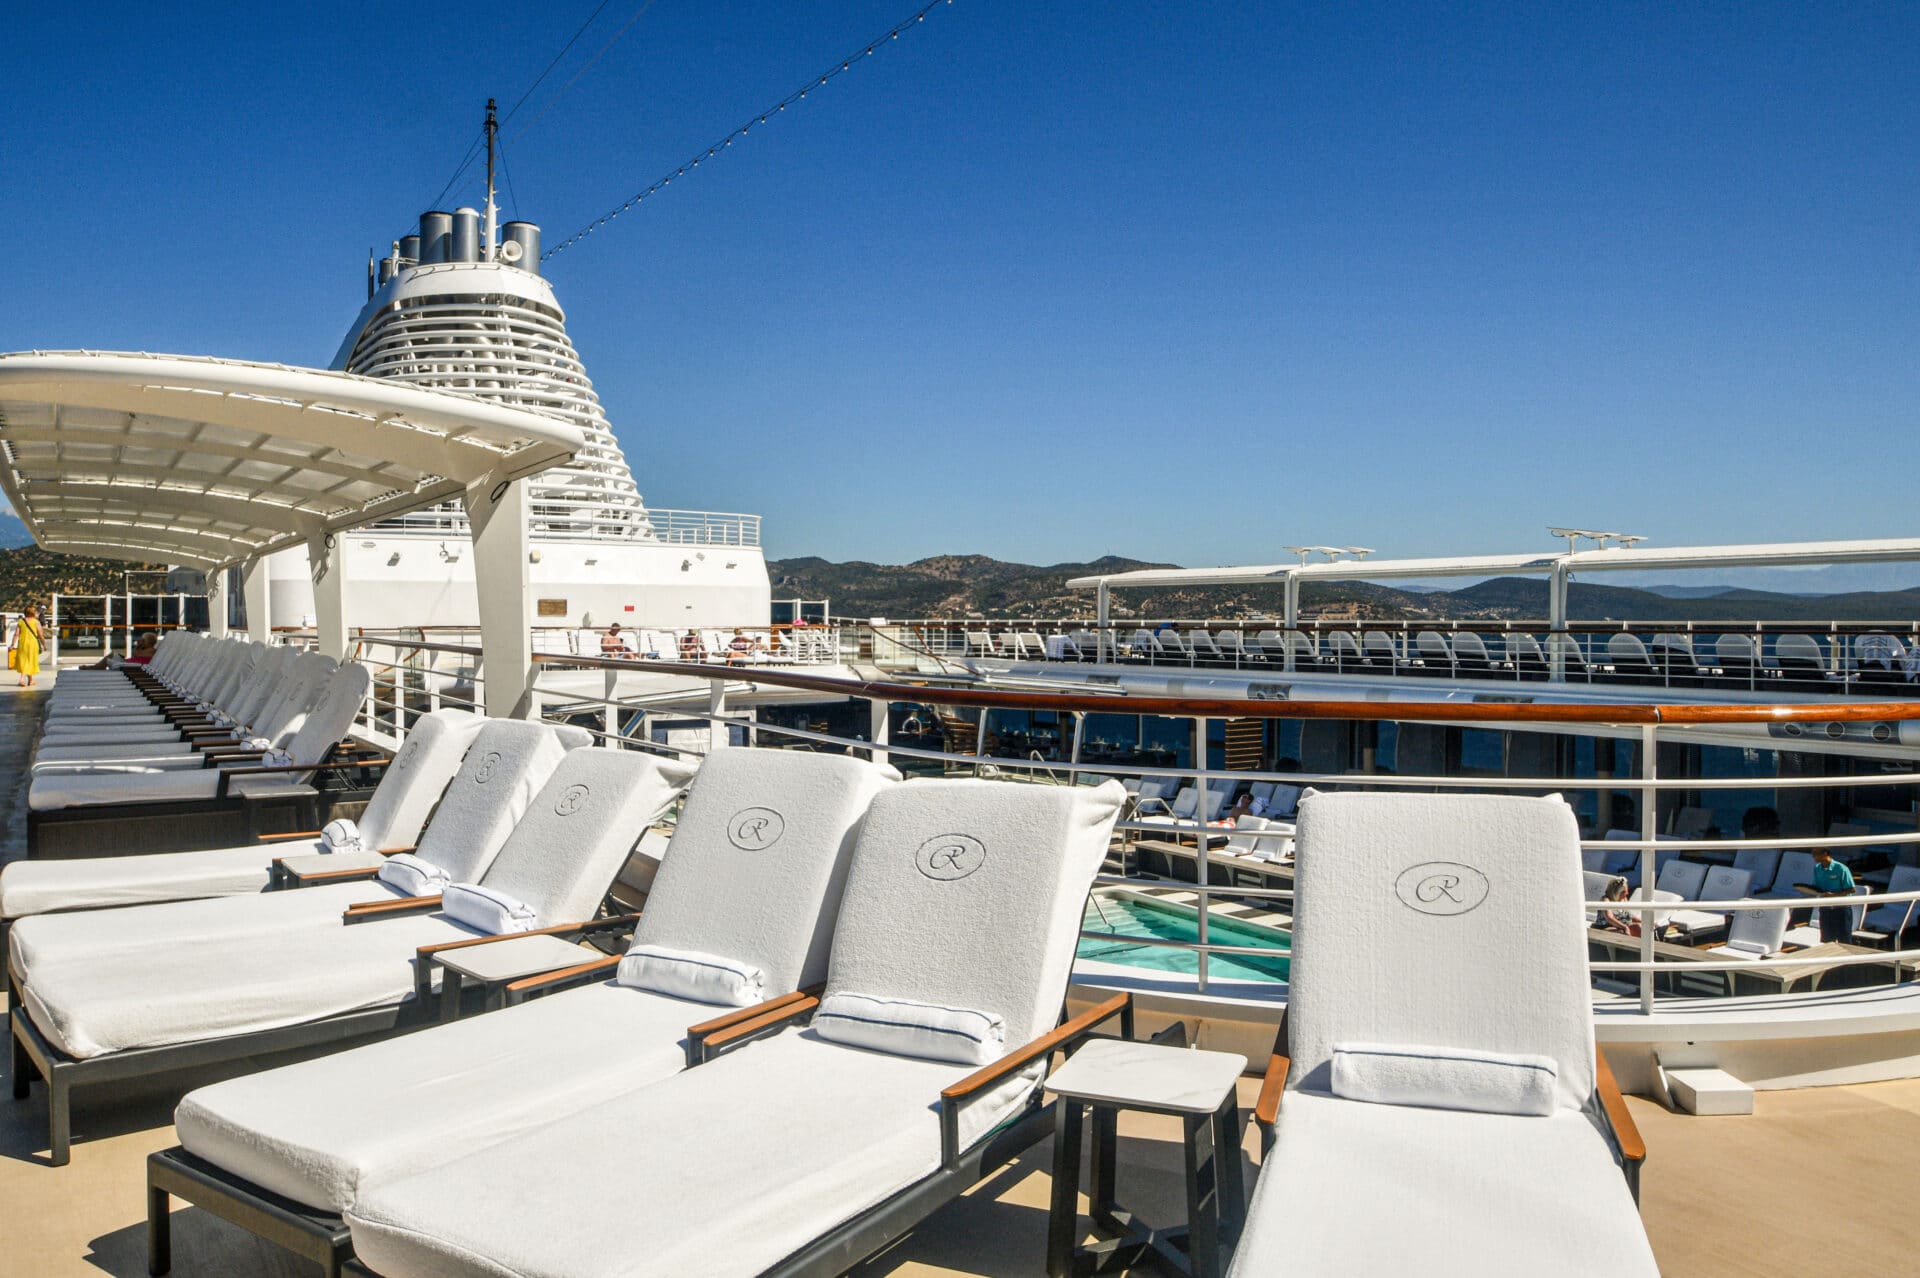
(1830, 878)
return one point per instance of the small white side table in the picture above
(497, 964)
(1107, 1076)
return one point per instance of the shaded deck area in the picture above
(1722, 1196)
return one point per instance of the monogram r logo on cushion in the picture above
(950, 856)
(1441, 888)
(755, 829)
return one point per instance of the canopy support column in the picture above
(1103, 638)
(253, 591)
(1557, 637)
(216, 603)
(326, 562)
(1290, 616)
(497, 509)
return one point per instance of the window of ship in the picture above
(1046, 735)
(1136, 741)
(846, 719)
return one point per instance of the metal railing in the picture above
(705, 527)
(408, 682)
(1768, 658)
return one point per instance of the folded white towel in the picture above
(1444, 1078)
(276, 759)
(690, 974)
(907, 1028)
(411, 876)
(341, 835)
(260, 743)
(487, 909)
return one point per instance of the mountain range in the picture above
(960, 586)
(977, 586)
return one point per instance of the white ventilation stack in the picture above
(495, 331)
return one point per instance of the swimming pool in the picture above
(1136, 916)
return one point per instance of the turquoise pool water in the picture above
(1127, 916)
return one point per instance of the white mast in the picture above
(493, 210)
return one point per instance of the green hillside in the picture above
(29, 574)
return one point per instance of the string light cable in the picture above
(759, 118)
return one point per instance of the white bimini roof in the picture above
(209, 462)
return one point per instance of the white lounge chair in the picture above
(410, 784)
(1761, 865)
(316, 1134)
(1720, 883)
(1889, 921)
(1754, 934)
(175, 806)
(919, 1073)
(1435, 1101)
(1796, 867)
(508, 761)
(225, 998)
(303, 691)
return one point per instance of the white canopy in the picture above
(209, 462)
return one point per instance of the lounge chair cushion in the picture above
(691, 974)
(488, 910)
(1471, 883)
(1365, 1189)
(317, 1133)
(223, 986)
(50, 792)
(1444, 1078)
(991, 877)
(38, 887)
(755, 866)
(907, 1028)
(770, 1147)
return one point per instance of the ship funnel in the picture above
(410, 248)
(520, 246)
(465, 244)
(436, 229)
(386, 270)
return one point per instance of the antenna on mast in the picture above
(493, 210)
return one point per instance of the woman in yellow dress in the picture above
(27, 642)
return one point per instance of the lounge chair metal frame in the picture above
(195, 825)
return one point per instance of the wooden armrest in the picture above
(382, 909)
(298, 834)
(730, 1019)
(1267, 1108)
(791, 1008)
(1045, 1045)
(558, 929)
(1619, 1117)
(529, 984)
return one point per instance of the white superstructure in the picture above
(450, 312)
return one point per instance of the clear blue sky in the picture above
(1182, 282)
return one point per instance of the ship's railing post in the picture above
(1649, 859)
(1204, 860)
